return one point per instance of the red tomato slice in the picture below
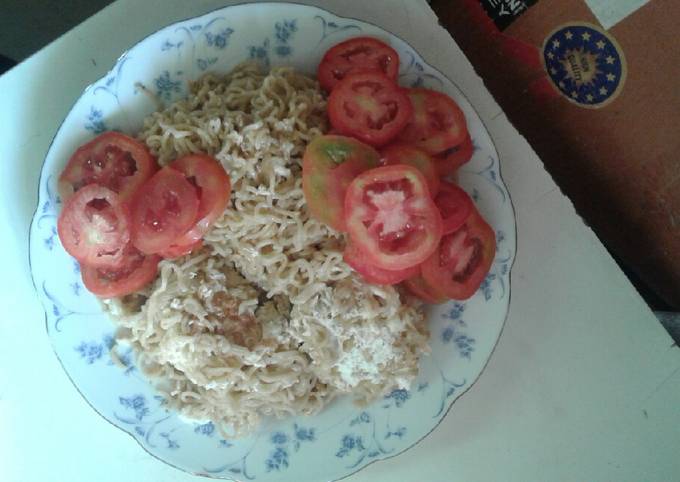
(437, 124)
(163, 209)
(391, 217)
(412, 156)
(359, 54)
(448, 162)
(175, 251)
(112, 160)
(463, 259)
(454, 205)
(372, 274)
(94, 226)
(214, 189)
(135, 271)
(419, 288)
(330, 163)
(370, 107)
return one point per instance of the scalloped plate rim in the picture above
(111, 70)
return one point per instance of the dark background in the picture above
(28, 25)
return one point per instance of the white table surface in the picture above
(584, 383)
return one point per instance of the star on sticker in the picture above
(561, 84)
(568, 35)
(611, 77)
(603, 90)
(553, 70)
(551, 55)
(610, 60)
(600, 44)
(556, 43)
(574, 94)
(586, 37)
(590, 97)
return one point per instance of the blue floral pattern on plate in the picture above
(284, 31)
(343, 438)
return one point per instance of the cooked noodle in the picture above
(265, 319)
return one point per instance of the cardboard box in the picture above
(594, 85)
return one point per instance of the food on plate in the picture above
(119, 207)
(418, 287)
(355, 258)
(454, 205)
(213, 187)
(260, 265)
(369, 106)
(358, 54)
(412, 156)
(330, 163)
(133, 272)
(391, 217)
(94, 226)
(265, 318)
(177, 250)
(437, 124)
(164, 208)
(112, 160)
(448, 162)
(462, 259)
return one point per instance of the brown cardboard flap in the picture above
(620, 164)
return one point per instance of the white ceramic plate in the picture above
(342, 439)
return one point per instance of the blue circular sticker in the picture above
(585, 64)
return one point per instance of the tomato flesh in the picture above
(135, 271)
(454, 205)
(462, 259)
(329, 165)
(437, 123)
(163, 209)
(412, 156)
(112, 160)
(213, 187)
(94, 226)
(391, 217)
(176, 251)
(448, 162)
(358, 54)
(418, 287)
(370, 107)
(371, 273)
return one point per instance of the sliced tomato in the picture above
(358, 54)
(134, 272)
(112, 160)
(448, 162)
(437, 123)
(391, 217)
(370, 107)
(163, 209)
(412, 156)
(213, 187)
(371, 273)
(454, 205)
(330, 163)
(463, 259)
(94, 226)
(175, 251)
(420, 288)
